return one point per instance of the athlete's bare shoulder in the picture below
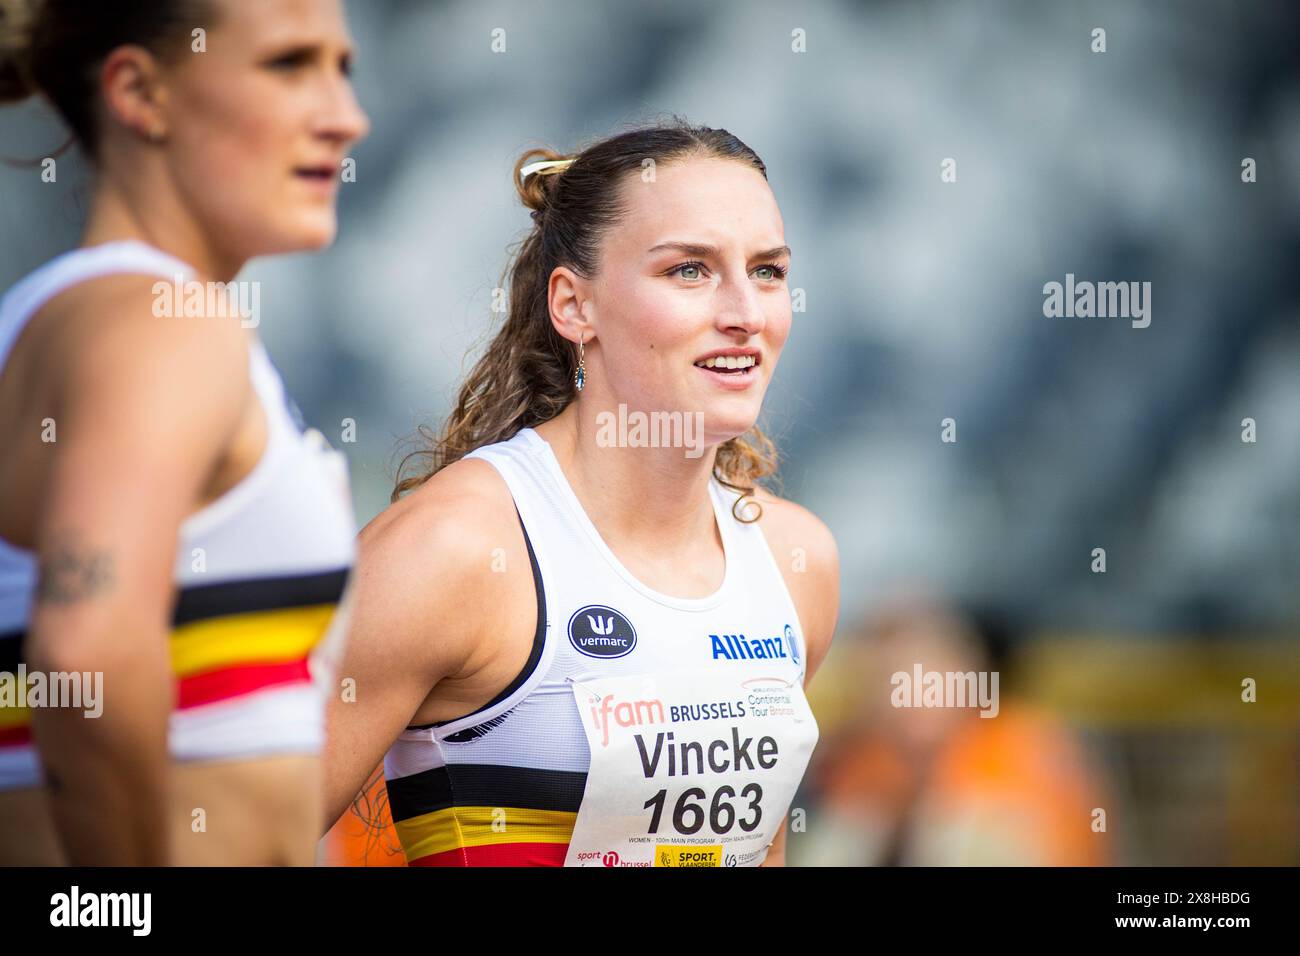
(451, 516)
(442, 557)
(102, 335)
(791, 526)
(808, 557)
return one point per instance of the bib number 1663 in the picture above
(688, 811)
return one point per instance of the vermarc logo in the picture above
(600, 631)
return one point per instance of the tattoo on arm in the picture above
(70, 572)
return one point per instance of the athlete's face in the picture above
(694, 269)
(260, 122)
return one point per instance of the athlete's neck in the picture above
(652, 502)
(129, 210)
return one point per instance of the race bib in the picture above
(689, 768)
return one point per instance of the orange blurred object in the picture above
(353, 842)
(1013, 790)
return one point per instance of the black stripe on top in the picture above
(198, 602)
(485, 785)
(11, 650)
(539, 639)
(203, 601)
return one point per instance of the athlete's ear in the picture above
(134, 92)
(569, 298)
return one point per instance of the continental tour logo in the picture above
(600, 631)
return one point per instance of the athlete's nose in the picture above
(342, 118)
(741, 308)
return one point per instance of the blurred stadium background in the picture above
(1121, 690)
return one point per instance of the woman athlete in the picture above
(167, 529)
(575, 641)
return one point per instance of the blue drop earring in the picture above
(580, 376)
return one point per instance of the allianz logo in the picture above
(738, 647)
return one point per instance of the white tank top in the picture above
(503, 786)
(261, 572)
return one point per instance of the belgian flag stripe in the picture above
(204, 601)
(16, 736)
(490, 785)
(231, 682)
(264, 637)
(198, 602)
(501, 854)
(224, 658)
(467, 829)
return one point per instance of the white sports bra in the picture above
(261, 573)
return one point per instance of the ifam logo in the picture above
(627, 713)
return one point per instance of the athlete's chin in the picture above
(298, 236)
(316, 231)
(732, 413)
(723, 425)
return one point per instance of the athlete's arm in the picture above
(413, 622)
(142, 408)
(805, 551)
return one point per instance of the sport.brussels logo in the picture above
(600, 631)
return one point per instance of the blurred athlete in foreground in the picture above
(164, 520)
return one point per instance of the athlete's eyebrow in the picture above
(305, 50)
(702, 250)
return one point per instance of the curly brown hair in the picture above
(525, 377)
